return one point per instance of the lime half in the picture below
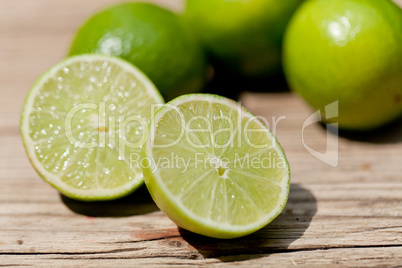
(213, 167)
(82, 123)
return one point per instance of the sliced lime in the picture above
(213, 167)
(83, 121)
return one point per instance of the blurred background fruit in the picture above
(243, 36)
(152, 38)
(348, 51)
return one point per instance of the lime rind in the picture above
(184, 217)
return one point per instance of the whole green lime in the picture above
(154, 39)
(244, 36)
(348, 51)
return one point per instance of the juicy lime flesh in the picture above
(77, 149)
(219, 186)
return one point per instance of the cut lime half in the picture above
(213, 167)
(84, 121)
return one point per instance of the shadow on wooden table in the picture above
(139, 202)
(274, 238)
(390, 133)
(231, 86)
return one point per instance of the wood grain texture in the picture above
(349, 215)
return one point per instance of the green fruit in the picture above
(213, 167)
(152, 38)
(244, 36)
(82, 123)
(348, 51)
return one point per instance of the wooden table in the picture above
(348, 215)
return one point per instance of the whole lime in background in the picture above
(244, 36)
(348, 51)
(152, 38)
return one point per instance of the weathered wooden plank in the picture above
(308, 221)
(350, 257)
